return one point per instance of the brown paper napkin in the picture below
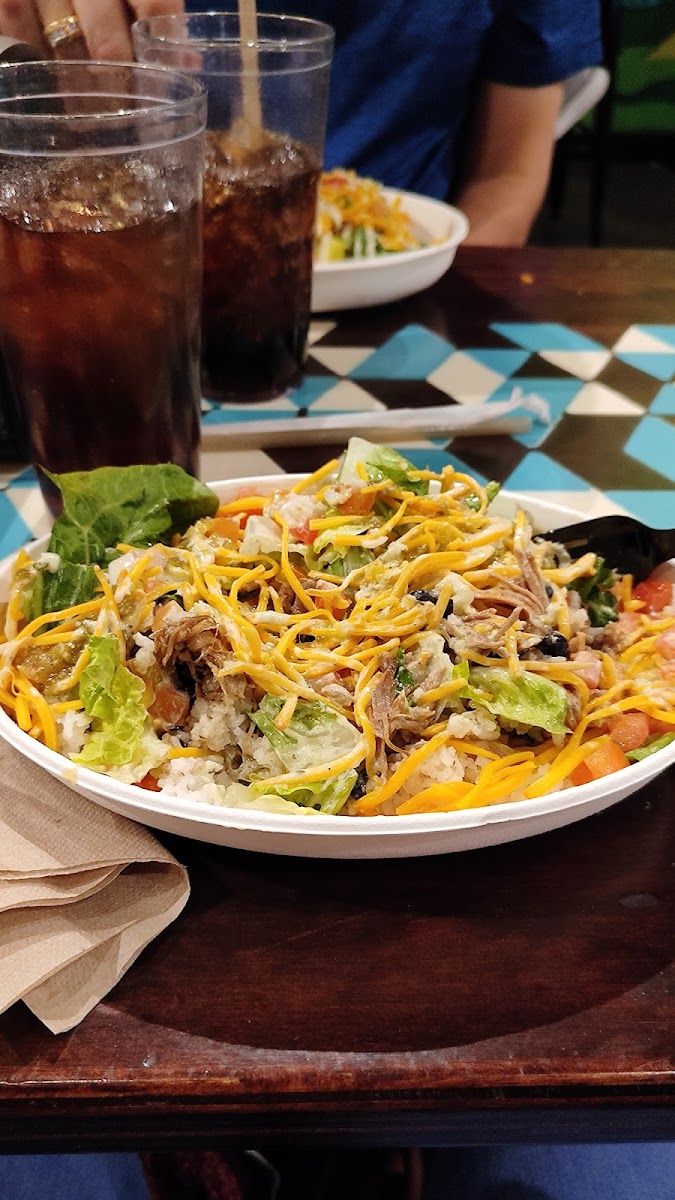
(82, 892)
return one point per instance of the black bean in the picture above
(359, 788)
(549, 590)
(306, 637)
(425, 597)
(449, 608)
(555, 645)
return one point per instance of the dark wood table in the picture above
(523, 992)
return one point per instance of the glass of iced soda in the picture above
(101, 171)
(260, 187)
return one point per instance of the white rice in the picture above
(217, 724)
(72, 729)
(296, 509)
(443, 766)
(474, 725)
(145, 658)
(200, 779)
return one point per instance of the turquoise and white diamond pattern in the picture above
(581, 380)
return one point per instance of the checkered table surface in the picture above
(609, 447)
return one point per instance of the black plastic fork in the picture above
(627, 545)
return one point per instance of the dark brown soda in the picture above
(99, 330)
(259, 208)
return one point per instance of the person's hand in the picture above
(105, 24)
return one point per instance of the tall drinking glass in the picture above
(100, 261)
(259, 191)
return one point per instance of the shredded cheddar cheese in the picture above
(404, 630)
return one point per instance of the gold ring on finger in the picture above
(64, 29)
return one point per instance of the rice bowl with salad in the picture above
(374, 245)
(372, 641)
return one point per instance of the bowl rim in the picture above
(257, 820)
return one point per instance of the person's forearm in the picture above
(512, 145)
(501, 210)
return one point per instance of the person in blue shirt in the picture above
(412, 79)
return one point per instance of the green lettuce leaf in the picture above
(379, 462)
(492, 490)
(97, 678)
(241, 795)
(139, 505)
(328, 795)
(327, 537)
(645, 751)
(316, 734)
(51, 591)
(112, 696)
(528, 699)
(461, 671)
(264, 718)
(599, 602)
(352, 559)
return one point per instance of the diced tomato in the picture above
(604, 760)
(579, 775)
(334, 602)
(224, 527)
(359, 504)
(665, 644)
(303, 533)
(165, 611)
(655, 594)
(591, 667)
(170, 705)
(149, 783)
(659, 727)
(629, 731)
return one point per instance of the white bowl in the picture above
(323, 836)
(363, 282)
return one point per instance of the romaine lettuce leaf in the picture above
(326, 538)
(353, 559)
(316, 734)
(379, 462)
(528, 699)
(645, 751)
(112, 696)
(139, 505)
(241, 795)
(97, 678)
(150, 753)
(51, 591)
(264, 718)
(328, 795)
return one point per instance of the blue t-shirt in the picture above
(404, 73)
